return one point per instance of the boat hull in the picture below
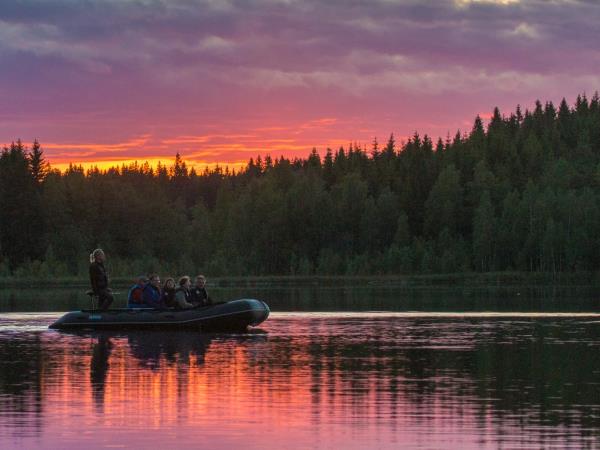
(233, 315)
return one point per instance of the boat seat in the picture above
(93, 299)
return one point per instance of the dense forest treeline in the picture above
(522, 193)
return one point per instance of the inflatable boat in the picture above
(229, 316)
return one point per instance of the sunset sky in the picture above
(106, 81)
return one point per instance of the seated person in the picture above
(168, 294)
(134, 297)
(199, 295)
(151, 295)
(182, 294)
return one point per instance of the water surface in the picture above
(352, 380)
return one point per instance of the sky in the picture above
(219, 81)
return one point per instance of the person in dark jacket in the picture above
(152, 294)
(199, 295)
(182, 294)
(99, 279)
(168, 295)
(134, 297)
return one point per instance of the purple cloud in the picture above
(110, 70)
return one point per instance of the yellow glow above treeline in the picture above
(152, 162)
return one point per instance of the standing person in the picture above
(168, 295)
(182, 294)
(152, 294)
(99, 279)
(199, 295)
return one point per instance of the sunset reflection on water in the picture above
(306, 381)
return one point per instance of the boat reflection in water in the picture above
(153, 350)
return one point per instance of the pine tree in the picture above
(389, 150)
(268, 163)
(566, 129)
(402, 236)
(328, 174)
(313, 163)
(375, 149)
(37, 164)
(484, 233)
(179, 169)
(444, 205)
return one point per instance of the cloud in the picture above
(465, 3)
(203, 38)
(525, 30)
(185, 71)
(70, 149)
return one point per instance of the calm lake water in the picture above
(418, 376)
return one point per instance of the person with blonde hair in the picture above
(99, 279)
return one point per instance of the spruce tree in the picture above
(37, 164)
(484, 234)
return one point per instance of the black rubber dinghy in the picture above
(229, 316)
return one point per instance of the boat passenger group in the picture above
(147, 291)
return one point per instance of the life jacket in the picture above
(134, 297)
(168, 297)
(199, 296)
(186, 293)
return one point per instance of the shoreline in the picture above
(415, 281)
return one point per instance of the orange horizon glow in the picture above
(205, 151)
(231, 145)
(104, 165)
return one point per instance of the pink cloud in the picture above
(146, 81)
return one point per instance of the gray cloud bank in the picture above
(79, 55)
